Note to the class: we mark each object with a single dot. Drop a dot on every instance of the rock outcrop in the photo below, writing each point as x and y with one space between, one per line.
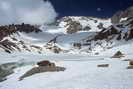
77 45
52 45
74 27
6 69
131 62
121 31
74 24
8 30
8 46
128 13
118 54
44 66
130 65
9 37
105 33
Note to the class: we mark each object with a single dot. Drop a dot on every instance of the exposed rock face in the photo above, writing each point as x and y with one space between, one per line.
121 31
52 45
9 43
77 45
56 49
128 13
87 28
116 17
6 69
73 24
74 27
109 37
105 33
8 46
4 73
8 30
100 26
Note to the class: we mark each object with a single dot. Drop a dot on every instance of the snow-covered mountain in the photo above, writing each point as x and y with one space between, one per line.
113 36
13 39
84 46
97 38
70 35
59 36
72 24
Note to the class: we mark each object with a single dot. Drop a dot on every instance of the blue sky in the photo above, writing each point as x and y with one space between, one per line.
100 8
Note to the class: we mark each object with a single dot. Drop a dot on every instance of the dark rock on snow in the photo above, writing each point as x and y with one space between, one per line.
44 66
118 54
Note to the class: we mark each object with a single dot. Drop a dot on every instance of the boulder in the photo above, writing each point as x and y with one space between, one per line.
131 63
42 69
118 54
103 65
96 53
44 63
130 67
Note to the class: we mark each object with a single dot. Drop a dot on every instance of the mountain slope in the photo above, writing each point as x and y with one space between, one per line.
67 30
113 36
80 44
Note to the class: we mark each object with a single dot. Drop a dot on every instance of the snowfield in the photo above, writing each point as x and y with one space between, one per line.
79 75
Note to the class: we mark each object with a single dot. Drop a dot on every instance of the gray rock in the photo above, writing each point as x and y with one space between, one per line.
130 67
103 65
74 27
128 13
41 69
8 66
116 17
6 69
118 54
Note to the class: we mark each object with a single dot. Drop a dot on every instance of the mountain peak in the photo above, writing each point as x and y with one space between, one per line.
122 14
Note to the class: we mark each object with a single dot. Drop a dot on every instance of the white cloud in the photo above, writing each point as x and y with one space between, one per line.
5 5
27 11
